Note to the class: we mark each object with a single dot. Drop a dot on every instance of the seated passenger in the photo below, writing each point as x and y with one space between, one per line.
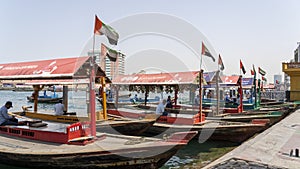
169 103
59 108
6 119
160 109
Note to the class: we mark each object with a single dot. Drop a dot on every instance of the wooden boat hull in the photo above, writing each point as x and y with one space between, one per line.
91 161
248 118
233 132
106 151
219 130
131 127
45 100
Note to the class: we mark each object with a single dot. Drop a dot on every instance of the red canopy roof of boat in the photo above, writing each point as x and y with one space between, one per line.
61 68
230 79
158 78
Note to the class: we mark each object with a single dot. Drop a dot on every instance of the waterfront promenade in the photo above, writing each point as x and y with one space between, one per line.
274 148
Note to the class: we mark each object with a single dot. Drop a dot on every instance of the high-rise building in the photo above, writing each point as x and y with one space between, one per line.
112 69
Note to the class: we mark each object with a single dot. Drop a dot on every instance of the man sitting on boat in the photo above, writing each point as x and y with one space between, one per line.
169 102
227 98
59 108
6 119
160 109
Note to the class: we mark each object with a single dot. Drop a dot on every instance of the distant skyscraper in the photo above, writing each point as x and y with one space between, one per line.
112 69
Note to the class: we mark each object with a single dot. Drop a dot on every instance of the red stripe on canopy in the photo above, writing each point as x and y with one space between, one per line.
54 68
158 78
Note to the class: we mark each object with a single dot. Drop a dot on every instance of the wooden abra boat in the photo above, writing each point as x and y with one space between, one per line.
71 146
218 130
42 99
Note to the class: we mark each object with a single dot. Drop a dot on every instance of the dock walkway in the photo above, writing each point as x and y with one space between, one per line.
276 147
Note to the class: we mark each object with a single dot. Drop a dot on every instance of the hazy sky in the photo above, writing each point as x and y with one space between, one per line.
260 32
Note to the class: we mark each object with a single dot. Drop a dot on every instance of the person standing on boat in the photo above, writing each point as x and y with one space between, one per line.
6 119
160 109
59 108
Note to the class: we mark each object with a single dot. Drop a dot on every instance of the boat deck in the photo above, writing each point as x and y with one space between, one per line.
51 126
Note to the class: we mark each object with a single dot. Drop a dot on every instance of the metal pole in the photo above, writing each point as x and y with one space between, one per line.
92 92
200 94
218 91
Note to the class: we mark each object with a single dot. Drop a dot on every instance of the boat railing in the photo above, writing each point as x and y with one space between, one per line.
79 129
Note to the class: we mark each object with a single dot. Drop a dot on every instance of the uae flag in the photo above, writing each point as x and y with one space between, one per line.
242 67
220 62
262 72
103 29
206 52
110 53
253 72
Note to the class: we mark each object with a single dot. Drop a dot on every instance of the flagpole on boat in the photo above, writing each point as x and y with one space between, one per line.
200 85
200 93
254 87
218 89
92 92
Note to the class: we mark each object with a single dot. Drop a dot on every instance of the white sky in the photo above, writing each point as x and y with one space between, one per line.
260 32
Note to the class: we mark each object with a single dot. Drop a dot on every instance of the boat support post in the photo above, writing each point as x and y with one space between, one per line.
104 97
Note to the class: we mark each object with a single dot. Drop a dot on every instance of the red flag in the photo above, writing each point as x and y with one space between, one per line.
206 52
242 67
220 62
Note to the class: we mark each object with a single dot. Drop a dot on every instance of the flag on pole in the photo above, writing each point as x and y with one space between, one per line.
220 62
103 29
242 67
262 72
253 72
111 53
206 52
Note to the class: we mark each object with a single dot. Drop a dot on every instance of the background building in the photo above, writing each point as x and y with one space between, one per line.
292 69
112 69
